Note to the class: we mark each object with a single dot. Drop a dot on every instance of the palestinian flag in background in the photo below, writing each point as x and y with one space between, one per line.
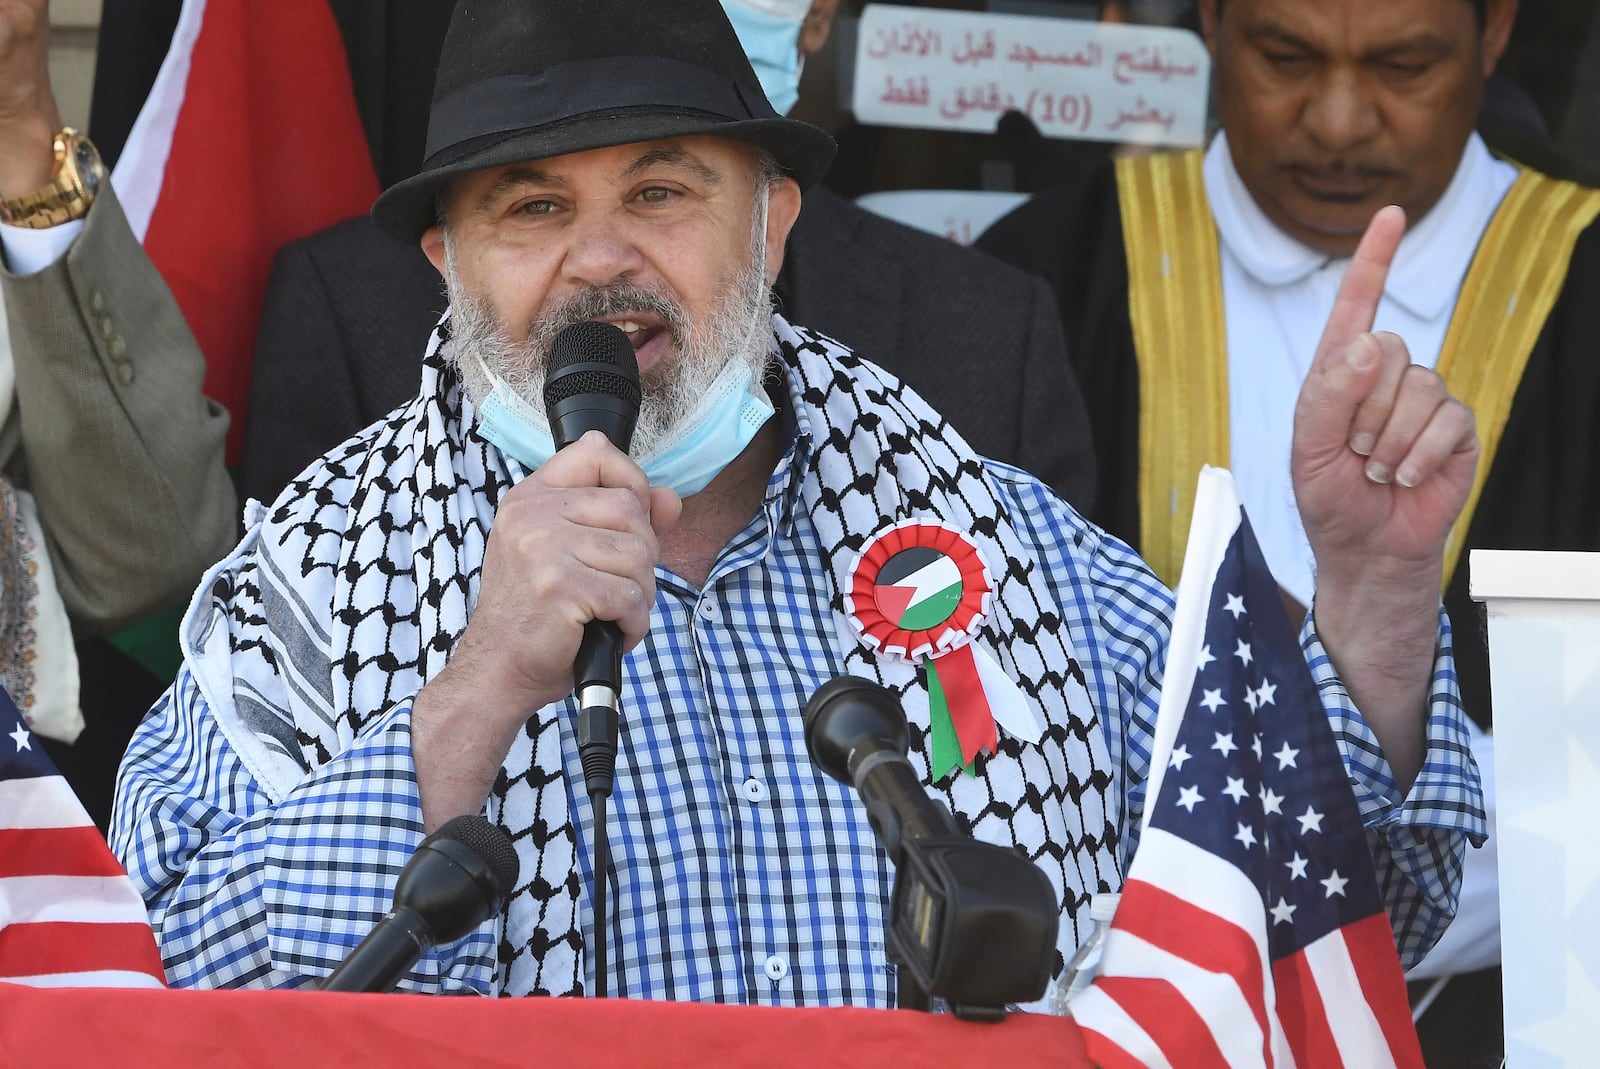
249 139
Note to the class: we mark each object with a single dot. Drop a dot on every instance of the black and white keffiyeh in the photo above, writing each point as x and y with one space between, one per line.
365 573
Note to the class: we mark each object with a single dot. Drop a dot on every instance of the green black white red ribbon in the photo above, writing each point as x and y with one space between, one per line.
921 591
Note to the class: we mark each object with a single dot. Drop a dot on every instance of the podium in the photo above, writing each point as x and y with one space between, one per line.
1544 666
99 1026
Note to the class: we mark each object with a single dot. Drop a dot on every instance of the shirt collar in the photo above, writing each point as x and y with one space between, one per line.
1423 279
795 432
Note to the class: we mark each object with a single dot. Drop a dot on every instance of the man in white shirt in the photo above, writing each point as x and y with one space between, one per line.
1192 285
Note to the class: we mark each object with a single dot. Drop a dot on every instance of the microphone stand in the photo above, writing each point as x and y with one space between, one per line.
597 801
970 922
597 670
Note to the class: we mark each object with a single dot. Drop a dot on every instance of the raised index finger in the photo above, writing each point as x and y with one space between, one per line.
1357 303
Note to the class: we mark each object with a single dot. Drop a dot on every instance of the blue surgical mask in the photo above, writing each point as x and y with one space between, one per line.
769 30
732 410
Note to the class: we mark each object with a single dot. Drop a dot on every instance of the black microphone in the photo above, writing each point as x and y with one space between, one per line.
592 383
972 922
458 878
856 732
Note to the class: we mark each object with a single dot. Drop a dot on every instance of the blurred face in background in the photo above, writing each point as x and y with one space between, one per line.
1334 108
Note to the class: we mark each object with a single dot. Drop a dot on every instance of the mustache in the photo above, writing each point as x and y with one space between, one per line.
617 300
1342 166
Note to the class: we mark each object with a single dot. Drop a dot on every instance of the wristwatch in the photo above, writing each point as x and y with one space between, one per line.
69 192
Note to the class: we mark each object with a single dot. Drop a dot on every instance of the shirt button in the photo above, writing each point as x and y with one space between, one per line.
708 608
108 329
755 790
97 301
125 373
777 967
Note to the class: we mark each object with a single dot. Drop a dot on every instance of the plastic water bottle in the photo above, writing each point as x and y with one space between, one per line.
1085 964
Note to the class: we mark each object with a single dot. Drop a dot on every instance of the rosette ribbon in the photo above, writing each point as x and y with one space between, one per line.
920 592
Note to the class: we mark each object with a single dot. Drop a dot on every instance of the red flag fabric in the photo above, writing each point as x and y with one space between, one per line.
1250 931
249 139
69 917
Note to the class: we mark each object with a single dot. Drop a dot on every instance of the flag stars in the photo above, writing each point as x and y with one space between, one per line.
20 737
1224 744
1235 789
1271 802
1250 699
1335 884
1267 693
1310 821
1205 656
1296 866
1180 754
1283 912
1246 835
1286 757
1212 700
1189 797
1235 606
1241 650
1255 747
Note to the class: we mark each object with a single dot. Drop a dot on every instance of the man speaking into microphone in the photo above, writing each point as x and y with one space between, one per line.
393 642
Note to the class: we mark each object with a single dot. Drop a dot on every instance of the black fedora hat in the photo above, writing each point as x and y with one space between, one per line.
531 79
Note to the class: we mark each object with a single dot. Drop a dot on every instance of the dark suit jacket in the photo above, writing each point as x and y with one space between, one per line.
348 312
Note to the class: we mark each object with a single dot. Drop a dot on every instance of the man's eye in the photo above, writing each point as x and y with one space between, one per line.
1404 70
1284 60
535 207
655 195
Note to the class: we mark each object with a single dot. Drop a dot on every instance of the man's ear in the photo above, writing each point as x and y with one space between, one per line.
1208 25
433 247
1497 19
783 208
814 30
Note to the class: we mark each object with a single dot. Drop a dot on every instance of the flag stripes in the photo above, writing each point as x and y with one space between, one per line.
1250 931
1169 1018
68 914
1113 1033
55 852
35 949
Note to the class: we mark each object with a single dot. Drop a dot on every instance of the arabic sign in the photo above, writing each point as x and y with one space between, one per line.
958 214
956 70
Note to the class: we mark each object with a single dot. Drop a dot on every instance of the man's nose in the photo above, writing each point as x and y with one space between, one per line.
600 249
1341 112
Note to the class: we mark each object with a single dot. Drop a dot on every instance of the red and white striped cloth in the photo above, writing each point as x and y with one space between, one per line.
69 917
249 139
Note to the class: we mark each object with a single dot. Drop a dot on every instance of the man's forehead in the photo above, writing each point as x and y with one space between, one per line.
710 159
1349 19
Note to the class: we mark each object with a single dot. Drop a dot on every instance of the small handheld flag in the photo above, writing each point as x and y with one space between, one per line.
1250 930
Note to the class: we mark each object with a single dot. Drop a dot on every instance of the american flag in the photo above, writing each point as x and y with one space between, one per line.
69 917
1250 931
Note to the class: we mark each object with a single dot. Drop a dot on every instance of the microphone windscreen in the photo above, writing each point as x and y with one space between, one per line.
488 842
590 358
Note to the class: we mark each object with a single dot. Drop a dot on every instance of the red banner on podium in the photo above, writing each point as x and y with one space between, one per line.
100 1026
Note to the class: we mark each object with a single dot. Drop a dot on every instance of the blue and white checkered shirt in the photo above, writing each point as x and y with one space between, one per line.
740 873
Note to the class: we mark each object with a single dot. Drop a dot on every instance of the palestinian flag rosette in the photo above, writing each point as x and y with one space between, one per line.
920 591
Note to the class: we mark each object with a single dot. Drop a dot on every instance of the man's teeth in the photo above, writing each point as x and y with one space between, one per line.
629 326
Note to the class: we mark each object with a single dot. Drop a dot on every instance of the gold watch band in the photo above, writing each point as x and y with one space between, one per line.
70 191
45 207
